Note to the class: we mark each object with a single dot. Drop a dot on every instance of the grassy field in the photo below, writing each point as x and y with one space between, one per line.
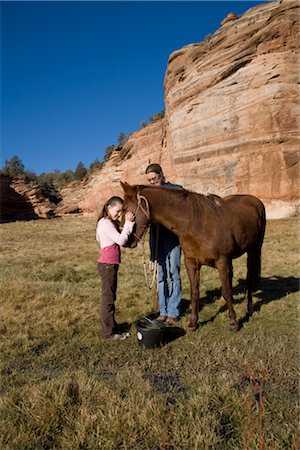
62 387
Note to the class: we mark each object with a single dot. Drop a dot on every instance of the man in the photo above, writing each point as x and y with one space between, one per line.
166 244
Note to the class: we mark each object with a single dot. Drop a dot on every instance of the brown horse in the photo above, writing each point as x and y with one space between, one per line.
212 231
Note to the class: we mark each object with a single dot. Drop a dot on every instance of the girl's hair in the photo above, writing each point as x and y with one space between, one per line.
110 202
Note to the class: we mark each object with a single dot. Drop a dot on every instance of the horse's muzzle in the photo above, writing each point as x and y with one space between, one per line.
131 243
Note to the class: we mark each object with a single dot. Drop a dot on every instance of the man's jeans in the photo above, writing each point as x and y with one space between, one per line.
169 283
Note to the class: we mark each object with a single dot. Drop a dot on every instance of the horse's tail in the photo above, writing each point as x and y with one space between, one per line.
254 268
254 256
257 274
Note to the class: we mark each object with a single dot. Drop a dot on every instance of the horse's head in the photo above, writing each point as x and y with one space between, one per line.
137 203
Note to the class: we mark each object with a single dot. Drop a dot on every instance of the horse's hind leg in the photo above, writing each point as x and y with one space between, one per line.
224 267
193 270
253 275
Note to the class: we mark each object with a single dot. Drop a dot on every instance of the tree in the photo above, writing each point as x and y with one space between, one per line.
65 177
30 176
80 171
95 165
157 116
13 167
143 123
108 151
122 138
46 182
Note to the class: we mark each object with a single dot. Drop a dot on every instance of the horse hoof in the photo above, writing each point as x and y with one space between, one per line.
234 327
192 327
250 311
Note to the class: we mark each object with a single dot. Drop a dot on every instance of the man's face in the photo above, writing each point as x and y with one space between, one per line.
155 179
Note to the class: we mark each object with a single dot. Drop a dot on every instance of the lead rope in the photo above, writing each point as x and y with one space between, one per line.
153 266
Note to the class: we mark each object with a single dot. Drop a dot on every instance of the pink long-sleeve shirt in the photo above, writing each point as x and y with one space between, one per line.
110 240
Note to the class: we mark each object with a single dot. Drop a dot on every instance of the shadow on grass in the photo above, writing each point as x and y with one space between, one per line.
173 333
271 289
169 384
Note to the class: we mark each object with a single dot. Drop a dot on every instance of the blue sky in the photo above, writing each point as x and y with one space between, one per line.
76 74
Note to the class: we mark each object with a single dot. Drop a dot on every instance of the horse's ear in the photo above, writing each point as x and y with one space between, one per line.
127 188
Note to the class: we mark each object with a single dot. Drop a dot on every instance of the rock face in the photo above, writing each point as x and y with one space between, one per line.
232 118
126 163
233 107
13 205
22 202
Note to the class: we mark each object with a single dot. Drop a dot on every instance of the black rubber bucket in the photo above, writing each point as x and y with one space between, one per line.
150 333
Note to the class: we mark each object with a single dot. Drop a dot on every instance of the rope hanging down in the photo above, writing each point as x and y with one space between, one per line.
152 265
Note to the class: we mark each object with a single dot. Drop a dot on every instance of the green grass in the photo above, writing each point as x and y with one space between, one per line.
62 387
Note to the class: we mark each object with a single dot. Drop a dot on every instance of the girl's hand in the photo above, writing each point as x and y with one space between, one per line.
130 216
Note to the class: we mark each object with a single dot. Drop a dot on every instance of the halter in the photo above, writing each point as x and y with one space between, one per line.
140 206
146 210
153 267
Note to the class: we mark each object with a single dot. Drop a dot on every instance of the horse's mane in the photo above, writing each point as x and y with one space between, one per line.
210 204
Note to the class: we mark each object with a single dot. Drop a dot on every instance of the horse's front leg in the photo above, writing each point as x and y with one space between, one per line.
224 267
193 270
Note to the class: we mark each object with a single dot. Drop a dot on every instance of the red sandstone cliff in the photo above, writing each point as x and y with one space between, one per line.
232 118
126 163
233 108
20 201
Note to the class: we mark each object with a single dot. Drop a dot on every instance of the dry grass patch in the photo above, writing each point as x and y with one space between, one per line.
64 388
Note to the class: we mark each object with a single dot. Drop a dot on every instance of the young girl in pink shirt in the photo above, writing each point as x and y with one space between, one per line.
110 239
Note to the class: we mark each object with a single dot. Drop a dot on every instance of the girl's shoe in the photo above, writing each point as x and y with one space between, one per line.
119 336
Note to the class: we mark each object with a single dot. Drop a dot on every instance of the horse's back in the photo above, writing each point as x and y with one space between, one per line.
246 204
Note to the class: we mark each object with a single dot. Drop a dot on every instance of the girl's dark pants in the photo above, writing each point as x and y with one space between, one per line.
109 278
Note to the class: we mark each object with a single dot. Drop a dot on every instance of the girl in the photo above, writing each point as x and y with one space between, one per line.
110 238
